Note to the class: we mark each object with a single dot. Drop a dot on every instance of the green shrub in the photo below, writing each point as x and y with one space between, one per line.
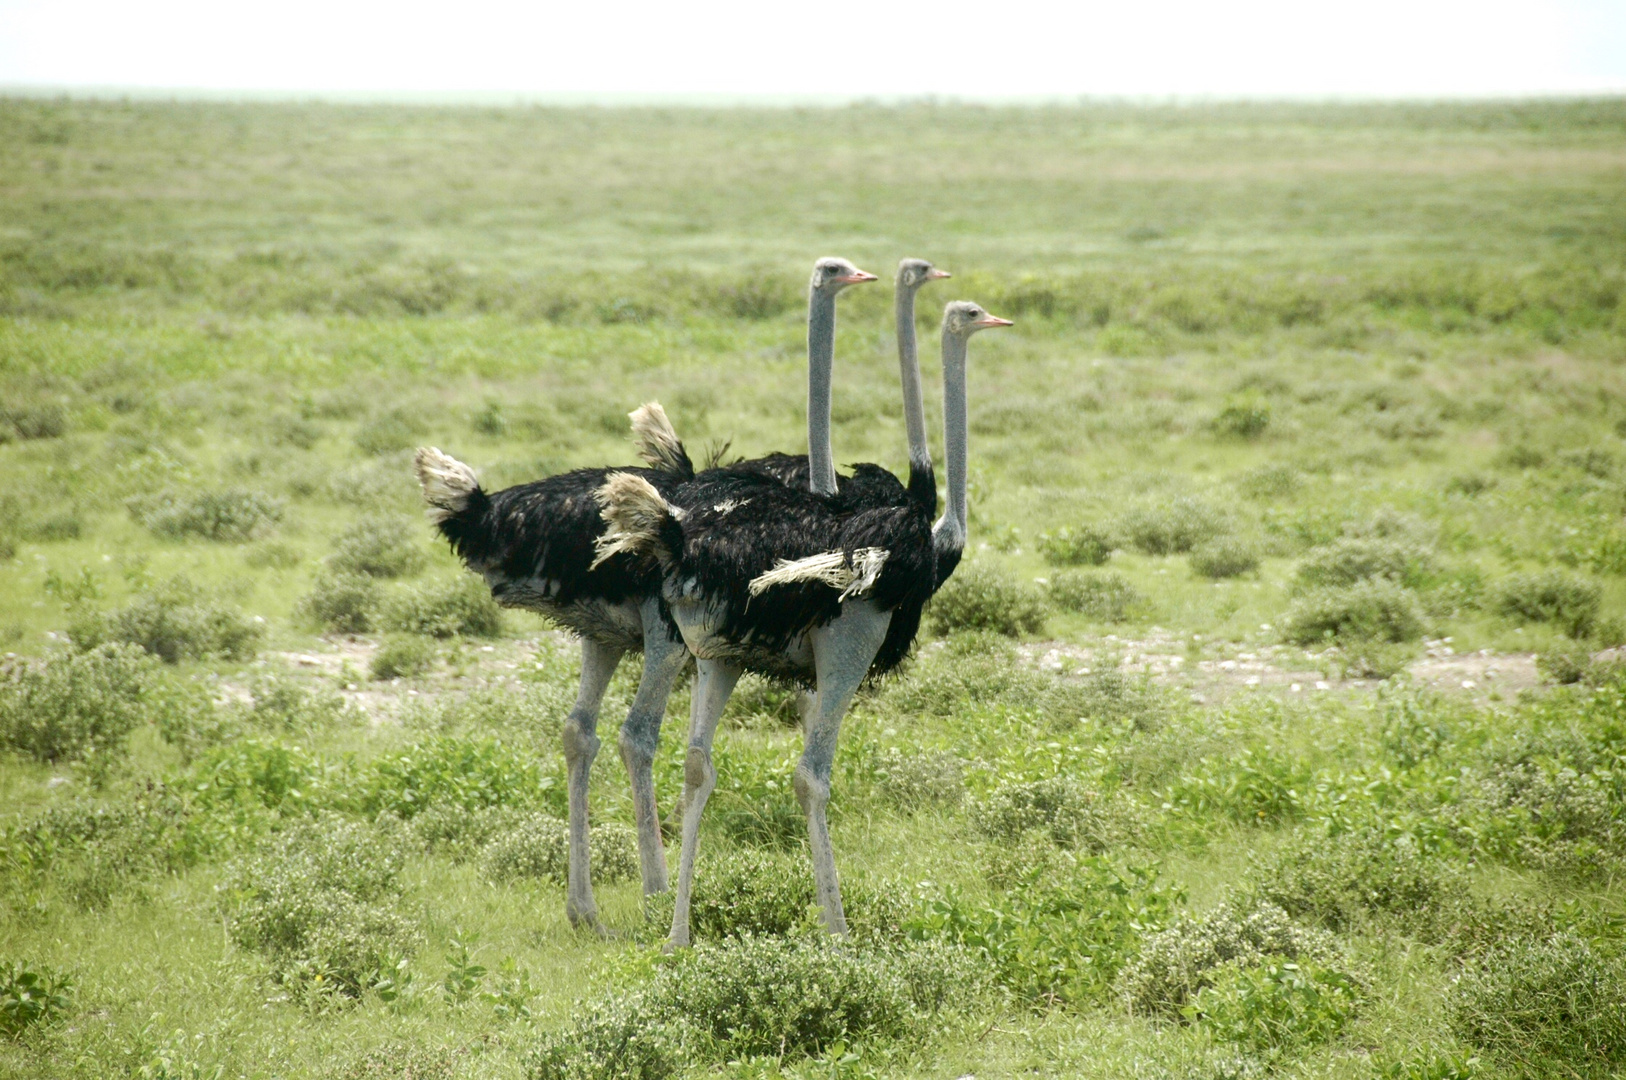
250 775
1170 528
1081 546
1245 419
389 432
1061 939
1544 1007
32 421
402 656
1569 663
1343 880
1566 600
401 1061
281 703
756 699
1276 1005
445 828
174 622
188 718
1252 788
1110 698
90 851
914 782
1433 1067
470 773
1175 964
73 706
1374 610
322 901
1224 557
462 605
981 596
384 547
342 603
753 803
538 846
233 516
1349 560
625 1038
1271 482
30 995
1108 598
1543 812
969 669
1069 813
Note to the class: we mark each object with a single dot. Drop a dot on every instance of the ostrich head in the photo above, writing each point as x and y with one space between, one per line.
962 318
832 275
913 273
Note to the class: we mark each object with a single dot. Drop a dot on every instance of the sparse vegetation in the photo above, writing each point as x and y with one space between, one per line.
1406 406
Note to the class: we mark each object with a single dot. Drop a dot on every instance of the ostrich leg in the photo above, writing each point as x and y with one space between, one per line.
842 652
581 745
714 681
640 735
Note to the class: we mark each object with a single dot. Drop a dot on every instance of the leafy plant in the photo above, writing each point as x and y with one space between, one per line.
380 547
1084 545
1567 600
343 603
1376 609
31 995
467 773
915 781
1275 1005
174 622
1068 812
402 656
463 975
538 846
232 516
1224 557
1106 597
462 605
1170 528
980 596
73 706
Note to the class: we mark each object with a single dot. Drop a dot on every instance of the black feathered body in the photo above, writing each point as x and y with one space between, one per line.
533 543
740 521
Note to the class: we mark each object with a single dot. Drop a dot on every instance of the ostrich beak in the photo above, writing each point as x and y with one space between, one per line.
935 274
857 277
992 321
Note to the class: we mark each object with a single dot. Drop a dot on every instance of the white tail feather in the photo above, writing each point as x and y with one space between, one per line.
828 567
634 512
657 441
447 483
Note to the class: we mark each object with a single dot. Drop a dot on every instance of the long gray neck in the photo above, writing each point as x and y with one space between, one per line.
950 531
821 360
914 409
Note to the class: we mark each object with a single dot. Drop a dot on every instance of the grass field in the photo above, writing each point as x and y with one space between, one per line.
1274 726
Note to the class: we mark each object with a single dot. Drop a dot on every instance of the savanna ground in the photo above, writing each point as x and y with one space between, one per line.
1272 728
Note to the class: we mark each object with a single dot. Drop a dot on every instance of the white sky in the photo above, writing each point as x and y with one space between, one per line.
822 48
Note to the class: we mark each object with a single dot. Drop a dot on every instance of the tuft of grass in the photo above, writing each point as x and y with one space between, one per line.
1544 1007
981 596
914 782
1224 557
1069 813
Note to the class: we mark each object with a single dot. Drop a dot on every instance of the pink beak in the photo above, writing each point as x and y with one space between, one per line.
857 278
993 320
935 274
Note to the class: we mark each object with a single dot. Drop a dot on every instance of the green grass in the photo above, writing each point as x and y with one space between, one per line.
1376 346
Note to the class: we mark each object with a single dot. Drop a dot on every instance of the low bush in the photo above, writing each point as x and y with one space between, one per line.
322 901
91 851
389 433
1568 601
188 717
981 596
1544 1007
175 621
1271 482
1170 528
281 703
1081 546
914 782
402 656
1569 663
468 773
248 776
1276 1005
758 700
383 547
1175 964
1069 813
232 516
32 421
1251 787
1243 419
1353 559
446 828
1224 557
1060 939
782 999
400 1061
1109 698
1346 879
538 846
462 605
73 706
343 603
1373 610
1108 598
754 803
974 669
1541 811
31 995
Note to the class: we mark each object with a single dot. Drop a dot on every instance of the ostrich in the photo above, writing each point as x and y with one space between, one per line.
533 543
837 581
